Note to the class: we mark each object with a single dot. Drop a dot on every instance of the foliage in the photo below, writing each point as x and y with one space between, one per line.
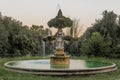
115 52
73 48
49 47
74 44
109 29
19 40
95 46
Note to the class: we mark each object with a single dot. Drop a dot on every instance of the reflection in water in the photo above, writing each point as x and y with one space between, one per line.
45 64
93 64
78 64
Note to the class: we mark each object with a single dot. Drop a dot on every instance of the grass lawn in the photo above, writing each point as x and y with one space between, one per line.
7 75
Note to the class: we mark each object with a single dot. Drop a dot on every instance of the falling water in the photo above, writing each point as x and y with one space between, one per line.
43 48
49 33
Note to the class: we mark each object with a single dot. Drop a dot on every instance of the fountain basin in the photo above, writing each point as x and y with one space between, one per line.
76 67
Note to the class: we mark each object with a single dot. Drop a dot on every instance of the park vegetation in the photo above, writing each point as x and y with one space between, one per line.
102 39
18 40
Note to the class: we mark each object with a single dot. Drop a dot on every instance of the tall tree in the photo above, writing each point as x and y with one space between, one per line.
73 47
19 40
95 46
108 27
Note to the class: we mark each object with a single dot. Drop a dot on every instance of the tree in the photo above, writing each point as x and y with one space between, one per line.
115 52
109 29
19 40
4 45
73 47
95 46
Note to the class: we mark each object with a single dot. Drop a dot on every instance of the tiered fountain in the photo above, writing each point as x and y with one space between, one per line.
60 58
59 63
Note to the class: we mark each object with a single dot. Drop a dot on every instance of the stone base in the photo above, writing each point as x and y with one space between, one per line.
59 52
60 61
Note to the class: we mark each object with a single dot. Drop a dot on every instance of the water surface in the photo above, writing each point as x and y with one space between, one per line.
45 64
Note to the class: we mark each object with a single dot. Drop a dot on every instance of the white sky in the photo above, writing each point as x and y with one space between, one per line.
39 12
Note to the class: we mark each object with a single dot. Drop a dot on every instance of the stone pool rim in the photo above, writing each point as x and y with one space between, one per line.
63 72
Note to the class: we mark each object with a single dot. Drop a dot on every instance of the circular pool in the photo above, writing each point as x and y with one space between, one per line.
76 67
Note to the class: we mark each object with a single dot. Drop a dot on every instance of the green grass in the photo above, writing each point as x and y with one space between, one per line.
7 75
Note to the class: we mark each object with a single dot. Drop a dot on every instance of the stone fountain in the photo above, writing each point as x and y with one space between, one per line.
60 58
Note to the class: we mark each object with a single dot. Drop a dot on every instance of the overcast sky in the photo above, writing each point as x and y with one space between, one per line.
39 12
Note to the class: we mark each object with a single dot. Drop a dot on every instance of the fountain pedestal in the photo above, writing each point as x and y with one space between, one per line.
60 59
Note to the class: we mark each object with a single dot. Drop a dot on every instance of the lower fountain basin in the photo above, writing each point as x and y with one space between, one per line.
76 67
